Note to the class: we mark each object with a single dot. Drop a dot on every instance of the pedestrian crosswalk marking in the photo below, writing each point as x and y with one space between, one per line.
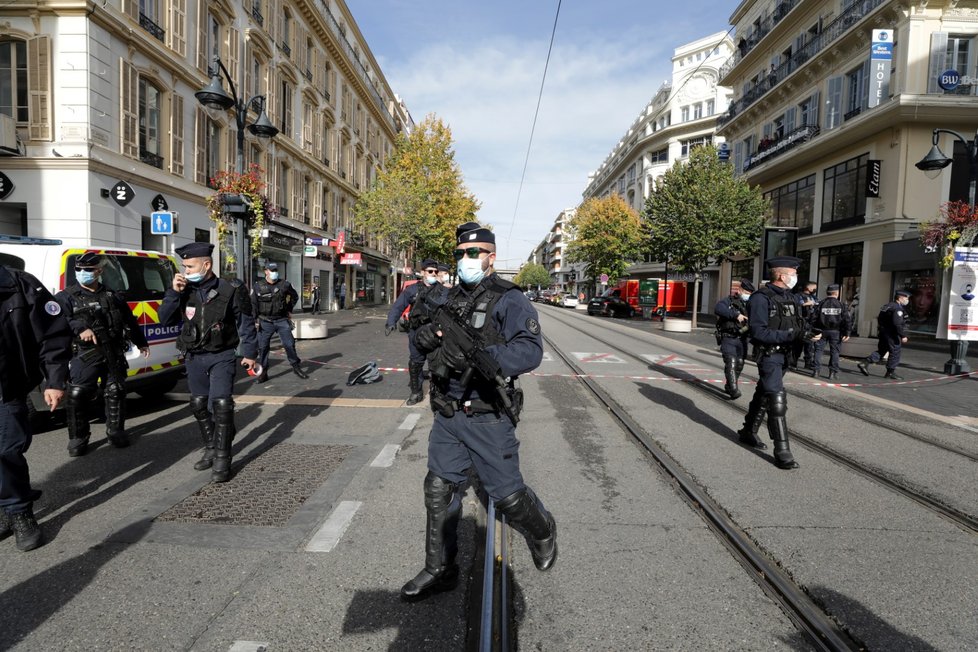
597 357
386 456
332 530
248 646
409 421
547 357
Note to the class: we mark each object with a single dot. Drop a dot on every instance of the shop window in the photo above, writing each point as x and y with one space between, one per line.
844 194
793 204
925 302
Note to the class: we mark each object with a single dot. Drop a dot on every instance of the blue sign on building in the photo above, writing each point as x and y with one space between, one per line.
949 80
161 223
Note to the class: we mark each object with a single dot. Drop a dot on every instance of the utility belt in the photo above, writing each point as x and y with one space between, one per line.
448 407
771 349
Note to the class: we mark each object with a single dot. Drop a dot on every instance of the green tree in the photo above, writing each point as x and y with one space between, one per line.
605 234
700 214
533 275
418 198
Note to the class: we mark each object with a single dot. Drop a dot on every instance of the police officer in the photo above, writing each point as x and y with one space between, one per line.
413 298
809 304
832 318
272 301
444 276
315 297
469 429
103 324
892 336
215 318
732 331
35 344
775 324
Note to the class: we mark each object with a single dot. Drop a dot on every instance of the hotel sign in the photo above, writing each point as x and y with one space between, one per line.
880 57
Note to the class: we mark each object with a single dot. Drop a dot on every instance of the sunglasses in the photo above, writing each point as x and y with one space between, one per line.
431 271
471 252
86 269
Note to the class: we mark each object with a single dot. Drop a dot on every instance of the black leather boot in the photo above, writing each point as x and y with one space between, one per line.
730 373
223 436
777 426
528 516
443 503
206 424
752 423
6 524
415 370
297 370
26 530
79 430
115 414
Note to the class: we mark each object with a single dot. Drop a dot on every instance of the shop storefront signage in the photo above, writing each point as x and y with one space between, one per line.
159 203
371 267
341 242
874 170
6 186
122 193
880 56
962 309
351 259
310 252
282 241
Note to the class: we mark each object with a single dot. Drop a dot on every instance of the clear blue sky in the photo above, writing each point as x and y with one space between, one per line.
478 65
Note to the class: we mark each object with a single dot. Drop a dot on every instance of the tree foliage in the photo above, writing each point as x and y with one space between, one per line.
605 234
419 198
958 227
701 214
533 275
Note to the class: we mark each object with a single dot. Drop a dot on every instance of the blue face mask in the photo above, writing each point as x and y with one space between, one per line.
470 271
273 276
195 278
85 277
745 297
430 280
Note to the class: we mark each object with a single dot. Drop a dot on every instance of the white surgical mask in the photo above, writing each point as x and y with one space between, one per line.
745 296
85 277
196 277
792 281
443 278
470 271
430 280
273 276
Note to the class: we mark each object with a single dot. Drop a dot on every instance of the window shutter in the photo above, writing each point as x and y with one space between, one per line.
271 172
176 34
789 120
738 157
233 58
271 94
864 86
833 113
202 62
273 17
816 107
176 134
129 98
307 127
200 148
938 60
131 8
39 87
316 212
298 197
249 84
231 150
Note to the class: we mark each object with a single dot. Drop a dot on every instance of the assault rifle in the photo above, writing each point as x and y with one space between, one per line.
114 357
456 332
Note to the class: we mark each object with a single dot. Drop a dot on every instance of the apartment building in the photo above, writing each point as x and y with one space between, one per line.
680 116
832 133
104 94
551 253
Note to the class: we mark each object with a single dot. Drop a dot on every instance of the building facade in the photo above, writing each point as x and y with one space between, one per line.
681 116
832 136
102 94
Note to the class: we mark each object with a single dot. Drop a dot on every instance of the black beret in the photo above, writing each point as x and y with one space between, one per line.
442 267
468 226
195 250
783 261
429 262
832 288
746 285
89 259
272 267
477 235
902 293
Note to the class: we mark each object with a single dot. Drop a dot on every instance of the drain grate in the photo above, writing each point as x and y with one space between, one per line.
267 491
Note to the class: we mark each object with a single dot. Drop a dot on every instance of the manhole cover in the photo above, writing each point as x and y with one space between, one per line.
267 491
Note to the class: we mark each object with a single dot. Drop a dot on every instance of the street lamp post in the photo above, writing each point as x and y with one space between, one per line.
213 96
934 162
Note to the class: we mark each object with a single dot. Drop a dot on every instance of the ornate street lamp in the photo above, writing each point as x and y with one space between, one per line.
213 96
934 162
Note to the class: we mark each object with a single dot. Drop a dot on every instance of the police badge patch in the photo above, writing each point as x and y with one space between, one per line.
52 308
899 313
190 311
533 326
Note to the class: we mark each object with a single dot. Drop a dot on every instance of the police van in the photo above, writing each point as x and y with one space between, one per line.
139 277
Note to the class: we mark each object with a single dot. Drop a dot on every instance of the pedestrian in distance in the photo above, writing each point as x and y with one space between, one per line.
35 345
469 428
314 299
103 326
776 323
832 320
342 295
892 335
214 318
272 301
732 332
409 309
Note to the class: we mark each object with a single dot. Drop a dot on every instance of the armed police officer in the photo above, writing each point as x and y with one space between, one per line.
272 301
732 332
809 304
833 320
474 422
776 324
412 301
103 325
35 345
892 335
215 319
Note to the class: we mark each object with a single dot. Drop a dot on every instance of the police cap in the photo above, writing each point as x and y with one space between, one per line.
746 285
832 288
442 267
88 259
429 262
776 262
477 235
272 267
902 293
195 250
468 226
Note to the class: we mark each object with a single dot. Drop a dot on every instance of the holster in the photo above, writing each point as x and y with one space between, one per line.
441 403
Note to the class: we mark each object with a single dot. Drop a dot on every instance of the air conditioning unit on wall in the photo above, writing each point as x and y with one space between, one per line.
8 135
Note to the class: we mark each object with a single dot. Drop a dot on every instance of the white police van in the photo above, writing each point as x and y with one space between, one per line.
139 277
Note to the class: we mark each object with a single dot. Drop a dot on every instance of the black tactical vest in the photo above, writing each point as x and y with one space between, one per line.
209 325
97 310
828 315
418 313
732 326
785 313
272 299
477 308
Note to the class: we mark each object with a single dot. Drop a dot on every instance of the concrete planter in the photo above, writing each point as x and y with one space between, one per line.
674 325
311 328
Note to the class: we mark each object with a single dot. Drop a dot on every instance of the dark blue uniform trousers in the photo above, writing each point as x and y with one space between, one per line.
16 494
833 340
734 347
486 441
887 344
211 374
772 369
268 329
414 354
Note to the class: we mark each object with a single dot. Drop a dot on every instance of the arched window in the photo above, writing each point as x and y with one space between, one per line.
13 80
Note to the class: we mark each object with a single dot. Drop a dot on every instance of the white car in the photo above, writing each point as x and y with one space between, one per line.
568 301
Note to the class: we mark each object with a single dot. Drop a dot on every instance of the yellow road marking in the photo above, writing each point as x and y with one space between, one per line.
317 400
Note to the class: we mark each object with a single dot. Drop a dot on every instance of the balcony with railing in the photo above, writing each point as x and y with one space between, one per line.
150 158
770 148
832 32
256 15
759 31
150 26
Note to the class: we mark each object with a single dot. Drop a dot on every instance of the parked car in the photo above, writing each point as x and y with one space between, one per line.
531 295
568 301
545 296
610 304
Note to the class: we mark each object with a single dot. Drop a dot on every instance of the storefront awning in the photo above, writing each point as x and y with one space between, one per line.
906 255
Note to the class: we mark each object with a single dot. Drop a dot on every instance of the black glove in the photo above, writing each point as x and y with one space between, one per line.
426 339
452 357
388 329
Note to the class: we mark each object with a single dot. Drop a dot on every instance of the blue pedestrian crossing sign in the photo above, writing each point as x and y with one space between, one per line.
161 223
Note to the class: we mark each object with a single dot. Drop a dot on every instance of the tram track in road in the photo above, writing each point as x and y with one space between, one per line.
960 518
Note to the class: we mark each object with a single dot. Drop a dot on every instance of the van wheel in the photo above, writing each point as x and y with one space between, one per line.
157 388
